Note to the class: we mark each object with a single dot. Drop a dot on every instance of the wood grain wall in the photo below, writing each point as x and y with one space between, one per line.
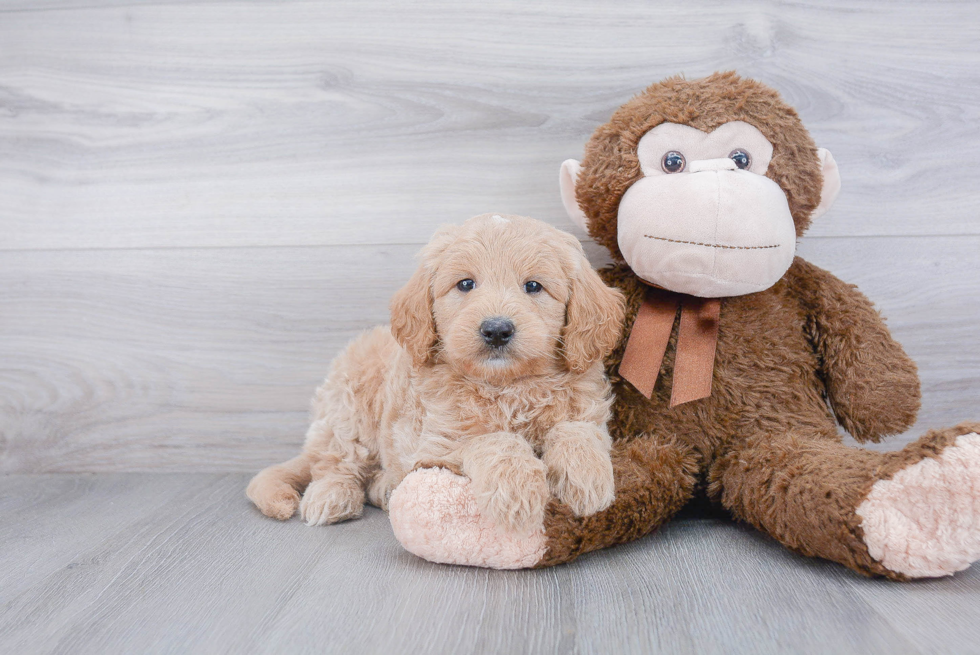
201 202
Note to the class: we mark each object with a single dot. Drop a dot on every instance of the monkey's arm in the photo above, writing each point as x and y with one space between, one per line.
872 385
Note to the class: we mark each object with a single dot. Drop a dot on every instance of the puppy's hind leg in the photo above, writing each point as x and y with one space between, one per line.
275 490
336 492
340 468
343 439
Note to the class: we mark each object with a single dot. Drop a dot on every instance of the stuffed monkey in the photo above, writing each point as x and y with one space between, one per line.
738 360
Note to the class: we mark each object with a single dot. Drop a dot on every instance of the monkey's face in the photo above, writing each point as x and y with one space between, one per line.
702 186
704 219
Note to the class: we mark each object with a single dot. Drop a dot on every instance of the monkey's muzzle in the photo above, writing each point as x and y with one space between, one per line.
712 232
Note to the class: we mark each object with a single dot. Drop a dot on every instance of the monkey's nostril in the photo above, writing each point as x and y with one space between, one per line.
497 331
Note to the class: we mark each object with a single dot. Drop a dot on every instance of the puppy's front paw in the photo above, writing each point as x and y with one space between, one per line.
272 496
580 475
514 494
328 500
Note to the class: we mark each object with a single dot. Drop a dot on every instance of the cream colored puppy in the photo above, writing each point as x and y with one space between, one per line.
492 367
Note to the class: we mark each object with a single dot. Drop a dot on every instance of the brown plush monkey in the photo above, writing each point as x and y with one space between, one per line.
699 189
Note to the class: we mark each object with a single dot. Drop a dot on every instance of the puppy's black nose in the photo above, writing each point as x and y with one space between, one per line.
497 331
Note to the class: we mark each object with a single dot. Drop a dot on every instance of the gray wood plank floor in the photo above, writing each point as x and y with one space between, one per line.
136 563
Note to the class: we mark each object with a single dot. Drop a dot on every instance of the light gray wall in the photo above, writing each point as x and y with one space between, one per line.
200 203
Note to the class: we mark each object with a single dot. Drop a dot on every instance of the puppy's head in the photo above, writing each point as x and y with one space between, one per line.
501 297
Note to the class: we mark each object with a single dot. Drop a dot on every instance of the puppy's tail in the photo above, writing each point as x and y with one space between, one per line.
276 490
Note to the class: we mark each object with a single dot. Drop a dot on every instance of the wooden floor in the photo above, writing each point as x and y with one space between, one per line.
137 563
201 201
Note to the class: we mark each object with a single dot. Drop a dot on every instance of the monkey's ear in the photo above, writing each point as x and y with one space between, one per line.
412 324
567 179
593 318
831 182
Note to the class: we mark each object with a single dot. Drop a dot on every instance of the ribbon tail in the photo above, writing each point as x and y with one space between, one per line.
697 338
648 340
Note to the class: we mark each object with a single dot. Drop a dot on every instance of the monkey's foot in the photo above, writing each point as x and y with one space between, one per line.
924 522
434 515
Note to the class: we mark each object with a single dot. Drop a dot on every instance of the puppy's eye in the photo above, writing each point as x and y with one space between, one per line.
741 158
532 287
673 162
466 285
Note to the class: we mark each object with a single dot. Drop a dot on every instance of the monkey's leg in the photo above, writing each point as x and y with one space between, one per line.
912 513
435 516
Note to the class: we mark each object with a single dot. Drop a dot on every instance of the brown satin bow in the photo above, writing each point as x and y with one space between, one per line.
697 337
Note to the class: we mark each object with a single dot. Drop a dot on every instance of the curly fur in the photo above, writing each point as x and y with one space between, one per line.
523 422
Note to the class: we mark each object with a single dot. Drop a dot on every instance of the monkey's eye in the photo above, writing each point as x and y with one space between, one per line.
532 287
466 285
741 158
673 162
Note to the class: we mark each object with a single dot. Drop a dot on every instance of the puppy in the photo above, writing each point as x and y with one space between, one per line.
492 367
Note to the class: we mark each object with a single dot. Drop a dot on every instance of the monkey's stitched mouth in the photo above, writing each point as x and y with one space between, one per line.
710 245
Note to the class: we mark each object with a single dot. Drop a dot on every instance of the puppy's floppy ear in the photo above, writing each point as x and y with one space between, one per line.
593 318
412 323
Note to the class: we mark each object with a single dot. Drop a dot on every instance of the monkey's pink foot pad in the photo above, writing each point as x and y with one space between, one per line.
925 521
435 516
